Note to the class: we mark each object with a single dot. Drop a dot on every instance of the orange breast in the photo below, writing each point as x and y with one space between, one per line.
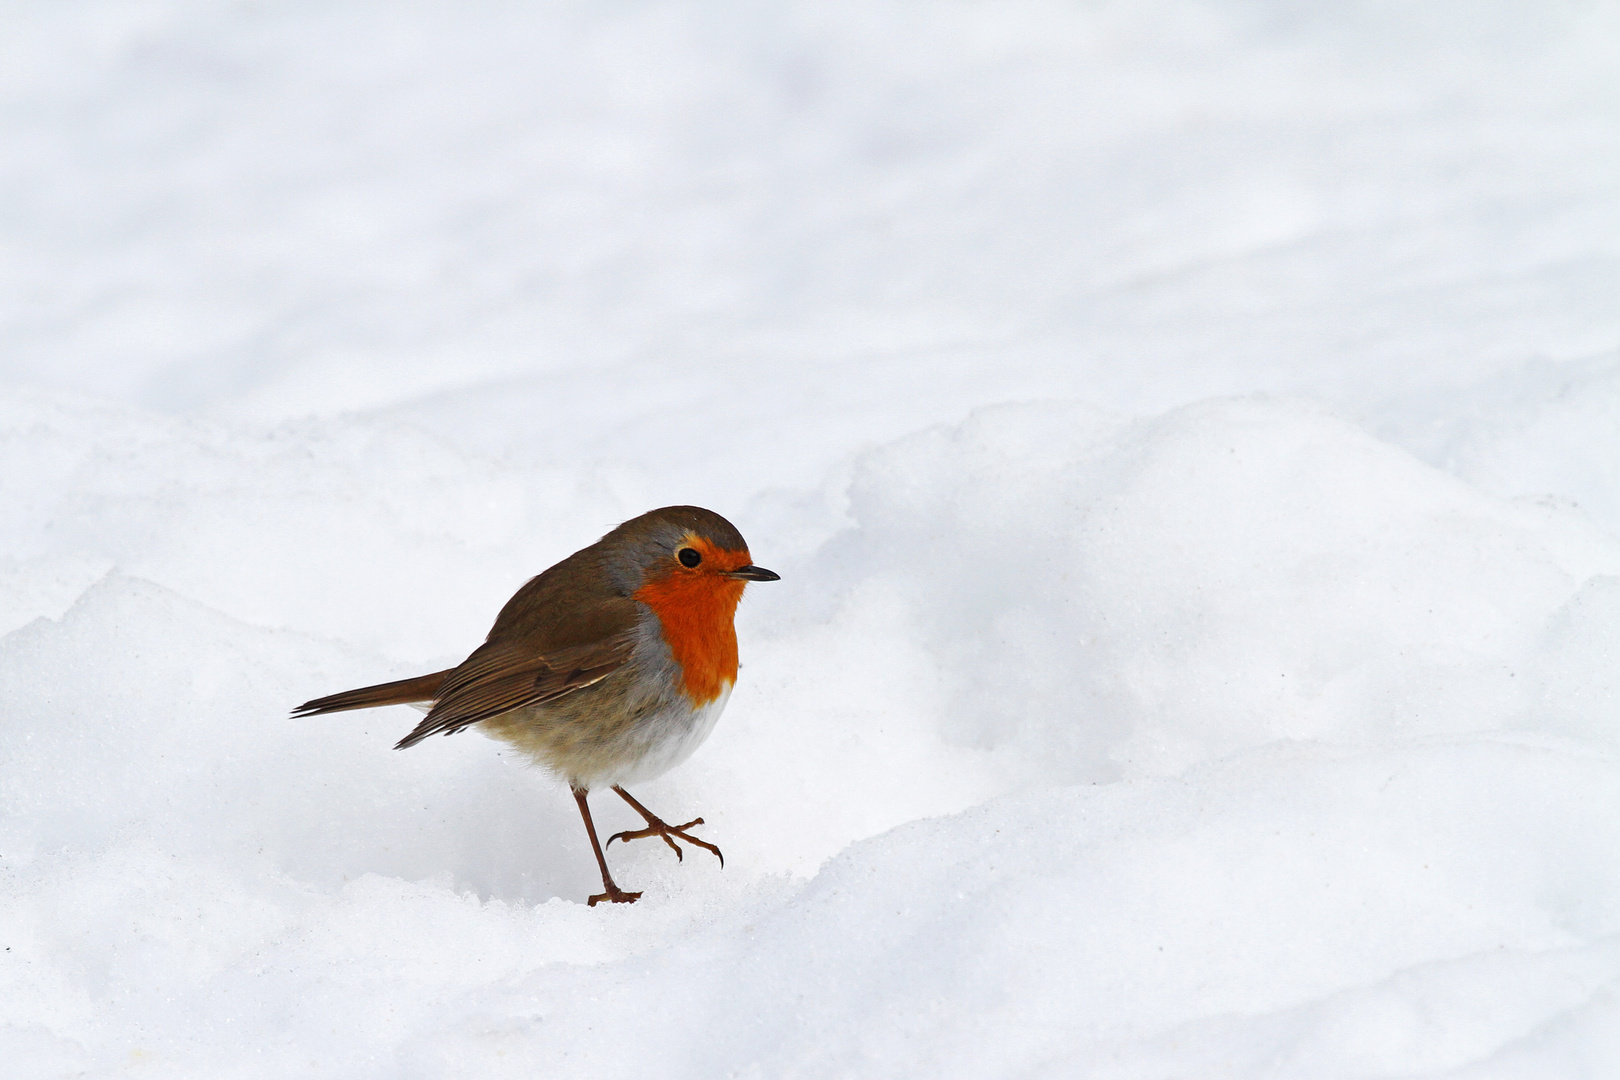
696 610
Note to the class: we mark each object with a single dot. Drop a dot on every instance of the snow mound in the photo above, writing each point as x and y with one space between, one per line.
1289 913
1127 599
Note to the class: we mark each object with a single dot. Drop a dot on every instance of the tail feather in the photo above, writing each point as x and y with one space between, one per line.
403 692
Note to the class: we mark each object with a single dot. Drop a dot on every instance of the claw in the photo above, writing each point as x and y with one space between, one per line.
628 836
665 832
617 896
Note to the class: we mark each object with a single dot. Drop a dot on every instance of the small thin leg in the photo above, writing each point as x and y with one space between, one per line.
657 828
614 893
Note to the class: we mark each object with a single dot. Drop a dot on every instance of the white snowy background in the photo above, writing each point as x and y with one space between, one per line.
1189 434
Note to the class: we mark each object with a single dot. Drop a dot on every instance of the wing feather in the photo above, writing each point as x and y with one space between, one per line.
500 677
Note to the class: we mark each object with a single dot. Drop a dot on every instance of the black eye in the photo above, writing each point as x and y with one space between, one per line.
689 557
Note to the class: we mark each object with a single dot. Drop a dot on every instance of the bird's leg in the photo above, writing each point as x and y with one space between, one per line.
614 893
659 829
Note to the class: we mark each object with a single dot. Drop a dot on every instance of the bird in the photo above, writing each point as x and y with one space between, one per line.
608 669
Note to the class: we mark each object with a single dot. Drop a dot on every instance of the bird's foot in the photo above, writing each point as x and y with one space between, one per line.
664 832
614 895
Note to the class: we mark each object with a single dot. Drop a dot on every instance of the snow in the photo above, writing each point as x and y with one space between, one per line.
1186 432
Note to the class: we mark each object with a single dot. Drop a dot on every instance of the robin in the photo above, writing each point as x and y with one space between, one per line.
608 669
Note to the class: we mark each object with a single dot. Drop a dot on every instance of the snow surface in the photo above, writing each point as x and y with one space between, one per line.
1189 433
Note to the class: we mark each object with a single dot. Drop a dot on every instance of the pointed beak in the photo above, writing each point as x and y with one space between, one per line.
754 573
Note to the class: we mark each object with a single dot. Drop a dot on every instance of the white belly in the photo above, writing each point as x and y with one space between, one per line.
665 741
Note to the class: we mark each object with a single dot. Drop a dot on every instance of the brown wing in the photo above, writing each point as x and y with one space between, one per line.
511 671
563 630
503 679
403 692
